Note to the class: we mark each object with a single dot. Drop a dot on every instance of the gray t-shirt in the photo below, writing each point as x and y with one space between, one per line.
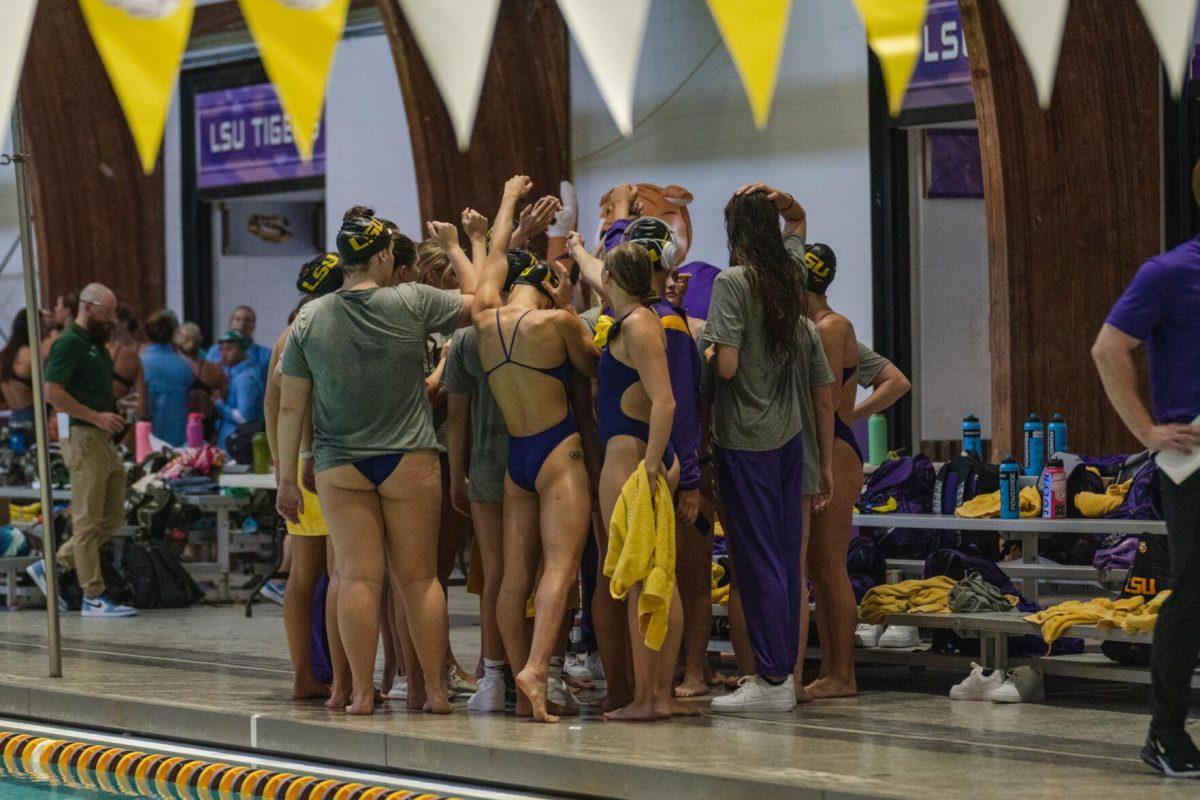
364 351
870 364
591 317
762 407
489 438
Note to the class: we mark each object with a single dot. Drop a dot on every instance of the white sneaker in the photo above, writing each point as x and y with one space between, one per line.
37 573
399 689
489 699
594 665
103 607
576 668
458 687
867 635
977 686
558 693
273 590
900 637
755 694
1021 685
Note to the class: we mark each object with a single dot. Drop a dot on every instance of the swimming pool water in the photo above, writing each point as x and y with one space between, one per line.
23 787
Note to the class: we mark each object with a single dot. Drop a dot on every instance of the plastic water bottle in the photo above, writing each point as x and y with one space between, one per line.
1035 446
195 430
972 436
877 439
1010 488
141 448
1056 435
1054 490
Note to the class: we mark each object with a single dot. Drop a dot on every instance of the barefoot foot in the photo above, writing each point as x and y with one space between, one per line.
829 688
362 703
310 689
691 687
533 686
670 707
633 713
437 703
338 698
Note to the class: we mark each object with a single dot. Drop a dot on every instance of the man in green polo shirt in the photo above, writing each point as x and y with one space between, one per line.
79 379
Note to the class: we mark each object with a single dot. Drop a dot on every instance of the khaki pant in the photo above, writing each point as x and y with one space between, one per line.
97 503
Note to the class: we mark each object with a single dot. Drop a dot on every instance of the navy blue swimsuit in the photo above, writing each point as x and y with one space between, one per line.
526 454
614 378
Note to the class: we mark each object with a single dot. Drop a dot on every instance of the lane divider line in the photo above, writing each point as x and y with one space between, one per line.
139 774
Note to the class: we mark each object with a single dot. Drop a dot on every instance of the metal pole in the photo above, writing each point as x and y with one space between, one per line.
33 319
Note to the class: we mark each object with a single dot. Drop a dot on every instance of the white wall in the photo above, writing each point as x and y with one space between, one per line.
368 152
950 285
703 137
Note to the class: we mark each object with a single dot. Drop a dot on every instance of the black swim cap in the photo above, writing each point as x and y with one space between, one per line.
321 275
362 237
657 237
820 267
524 268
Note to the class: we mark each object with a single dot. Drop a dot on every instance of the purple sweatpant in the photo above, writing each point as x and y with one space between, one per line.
761 494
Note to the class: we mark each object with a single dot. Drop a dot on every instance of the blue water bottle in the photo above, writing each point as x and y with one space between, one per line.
972 436
1056 435
1010 489
1035 446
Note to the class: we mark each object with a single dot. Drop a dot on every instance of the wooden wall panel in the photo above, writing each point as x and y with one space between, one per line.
97 217
1073 207
523 120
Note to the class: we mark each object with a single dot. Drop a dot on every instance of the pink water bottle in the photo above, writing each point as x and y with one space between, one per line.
195 430
141 448
1054 490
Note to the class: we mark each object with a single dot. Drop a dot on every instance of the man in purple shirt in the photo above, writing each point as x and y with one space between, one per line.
1161 308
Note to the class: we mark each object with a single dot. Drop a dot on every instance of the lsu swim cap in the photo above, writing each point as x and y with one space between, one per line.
236 338
820 267
657 237
524 268
362 237
321 275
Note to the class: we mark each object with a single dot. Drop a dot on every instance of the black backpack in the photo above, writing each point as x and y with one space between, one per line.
960 479
240 443
116 586
157 577
1149 575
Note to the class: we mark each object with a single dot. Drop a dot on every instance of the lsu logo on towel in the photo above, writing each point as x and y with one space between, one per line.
368 236
327 264
816 265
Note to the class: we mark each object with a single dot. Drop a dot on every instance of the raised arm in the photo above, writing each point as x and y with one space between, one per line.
495 267
534 220
795 219
446 235
591 269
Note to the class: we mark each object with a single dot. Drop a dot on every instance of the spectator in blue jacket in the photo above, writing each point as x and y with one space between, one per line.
243 401
243 320
168 379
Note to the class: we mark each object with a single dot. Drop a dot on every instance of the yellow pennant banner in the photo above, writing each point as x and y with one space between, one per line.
754 32
894 33
141 45
296 40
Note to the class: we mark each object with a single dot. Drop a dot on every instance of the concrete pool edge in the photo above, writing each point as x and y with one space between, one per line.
485 763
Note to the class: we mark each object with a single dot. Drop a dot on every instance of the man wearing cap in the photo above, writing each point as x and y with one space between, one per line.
243 320
243 401
79 379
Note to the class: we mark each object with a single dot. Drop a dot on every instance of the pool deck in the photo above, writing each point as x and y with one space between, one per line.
210 676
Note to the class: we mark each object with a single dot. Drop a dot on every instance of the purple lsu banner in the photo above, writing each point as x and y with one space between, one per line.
243 136
943 73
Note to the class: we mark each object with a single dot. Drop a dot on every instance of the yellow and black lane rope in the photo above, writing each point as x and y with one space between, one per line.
132 772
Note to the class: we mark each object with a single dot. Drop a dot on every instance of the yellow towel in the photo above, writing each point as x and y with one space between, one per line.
719 592
930 596
1130 614
987 506
641 549
1094 504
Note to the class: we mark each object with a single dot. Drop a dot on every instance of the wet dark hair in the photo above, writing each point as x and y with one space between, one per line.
127 319
17 338
630 266
776 281
160 328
